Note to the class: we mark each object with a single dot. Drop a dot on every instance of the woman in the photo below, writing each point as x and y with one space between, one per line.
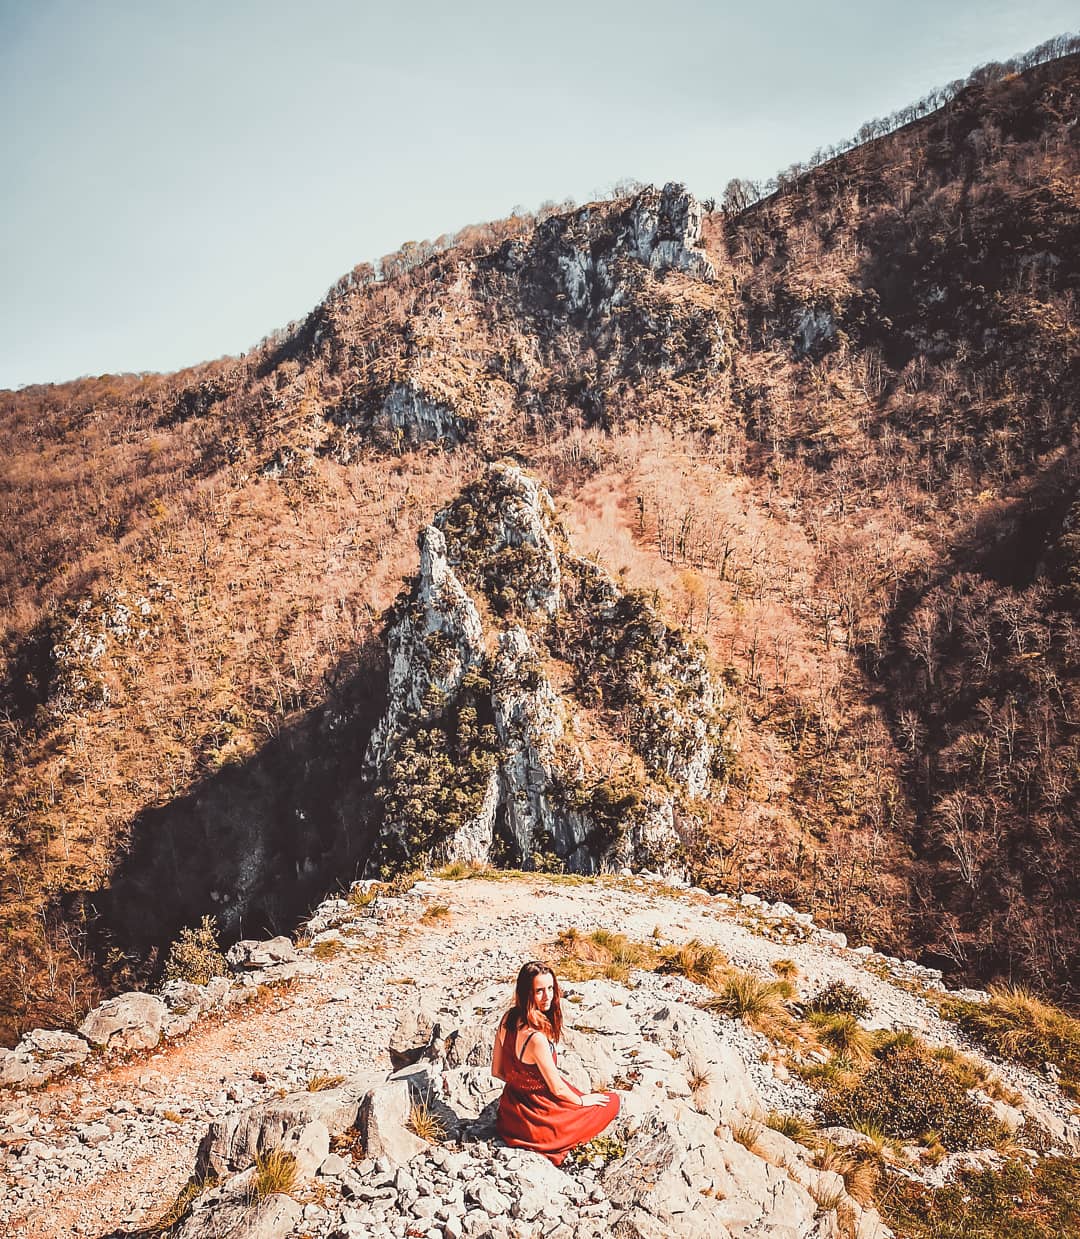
540 1109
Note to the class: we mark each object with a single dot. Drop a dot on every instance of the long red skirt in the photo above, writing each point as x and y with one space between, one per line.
531 1118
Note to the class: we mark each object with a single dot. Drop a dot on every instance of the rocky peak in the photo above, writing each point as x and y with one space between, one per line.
573 260
480 756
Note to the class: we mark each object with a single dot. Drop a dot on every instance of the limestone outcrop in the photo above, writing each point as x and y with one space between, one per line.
480 755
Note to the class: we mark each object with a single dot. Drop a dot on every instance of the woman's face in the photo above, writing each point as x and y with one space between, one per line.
543 991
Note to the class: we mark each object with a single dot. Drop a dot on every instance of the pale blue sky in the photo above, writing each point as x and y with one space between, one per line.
180 178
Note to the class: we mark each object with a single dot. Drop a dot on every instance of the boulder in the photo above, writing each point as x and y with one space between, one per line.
417 1034
382 1120
185 1003
231 1143
41 1055
253 955
726 1089
226 1212
131 1021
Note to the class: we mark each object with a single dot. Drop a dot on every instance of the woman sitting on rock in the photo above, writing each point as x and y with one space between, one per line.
540 1109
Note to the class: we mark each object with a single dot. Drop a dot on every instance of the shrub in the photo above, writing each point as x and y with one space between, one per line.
840 999
195 956
907 1093
1011 1201
609 1147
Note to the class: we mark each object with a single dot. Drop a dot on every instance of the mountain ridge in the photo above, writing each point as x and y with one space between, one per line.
845 427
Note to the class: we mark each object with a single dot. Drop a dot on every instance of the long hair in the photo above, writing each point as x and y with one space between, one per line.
524 1013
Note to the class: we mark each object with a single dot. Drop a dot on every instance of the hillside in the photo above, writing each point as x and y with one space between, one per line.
724 1027
829 438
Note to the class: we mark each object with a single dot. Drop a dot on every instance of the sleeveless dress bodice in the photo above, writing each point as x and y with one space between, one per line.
532 1117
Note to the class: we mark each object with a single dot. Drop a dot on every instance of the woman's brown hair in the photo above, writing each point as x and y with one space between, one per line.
523 1012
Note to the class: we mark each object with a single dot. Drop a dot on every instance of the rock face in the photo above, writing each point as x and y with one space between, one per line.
480 756
417 417
581 252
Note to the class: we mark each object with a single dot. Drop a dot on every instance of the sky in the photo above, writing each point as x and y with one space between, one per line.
178 179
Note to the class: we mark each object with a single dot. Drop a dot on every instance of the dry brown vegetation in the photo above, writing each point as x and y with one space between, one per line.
847 465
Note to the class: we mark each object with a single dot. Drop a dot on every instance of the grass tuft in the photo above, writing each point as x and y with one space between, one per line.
844 1036
795 1126
757 1003
747 1132
695 960
275 1172
425 1123
320 1082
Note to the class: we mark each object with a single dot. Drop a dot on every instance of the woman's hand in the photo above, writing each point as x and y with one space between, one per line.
594 1099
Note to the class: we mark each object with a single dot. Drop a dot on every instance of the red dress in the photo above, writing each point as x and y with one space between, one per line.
531 1118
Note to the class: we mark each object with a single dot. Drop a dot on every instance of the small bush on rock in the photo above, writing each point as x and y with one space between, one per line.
609 1147
195 956
907 1093
840 999
1011 1201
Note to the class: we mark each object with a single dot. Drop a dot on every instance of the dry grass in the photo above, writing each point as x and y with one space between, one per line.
275 1172
759 1004
844 1037
695 960
585 956
699 1082
860 1169
786 969
179 1206
328 948
425 1123
435 914
458 870
747 1132
320 1082
1017 1024
360 897
795 1126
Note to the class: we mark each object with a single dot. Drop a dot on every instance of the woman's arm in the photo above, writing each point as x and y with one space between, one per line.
556 1082
539 1052
497 1068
